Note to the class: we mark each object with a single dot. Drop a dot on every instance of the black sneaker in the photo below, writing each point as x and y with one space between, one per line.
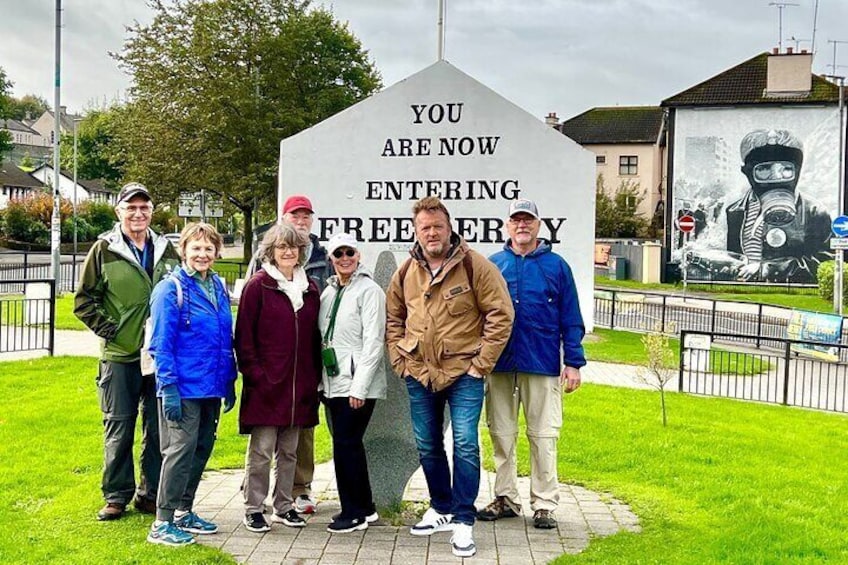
290 519
371 518
256 523
346 525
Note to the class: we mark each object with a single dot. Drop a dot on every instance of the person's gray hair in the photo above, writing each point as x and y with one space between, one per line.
283 234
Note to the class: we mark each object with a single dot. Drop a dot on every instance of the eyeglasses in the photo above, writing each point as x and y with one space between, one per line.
144 210
338 253
286 249
525 221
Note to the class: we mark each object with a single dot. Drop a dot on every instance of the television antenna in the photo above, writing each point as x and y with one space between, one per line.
780 7
797 41
836 43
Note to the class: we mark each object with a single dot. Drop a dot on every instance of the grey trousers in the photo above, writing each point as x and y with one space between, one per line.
267 442
186 447
305 467
123 391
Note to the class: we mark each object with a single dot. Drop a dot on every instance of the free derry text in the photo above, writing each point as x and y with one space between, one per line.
383 228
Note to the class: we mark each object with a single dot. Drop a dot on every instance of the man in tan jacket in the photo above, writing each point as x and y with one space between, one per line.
449 316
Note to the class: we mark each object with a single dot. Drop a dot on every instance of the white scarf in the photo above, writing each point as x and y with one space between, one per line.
294 288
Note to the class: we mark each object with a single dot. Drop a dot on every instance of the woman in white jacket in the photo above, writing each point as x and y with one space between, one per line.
352 321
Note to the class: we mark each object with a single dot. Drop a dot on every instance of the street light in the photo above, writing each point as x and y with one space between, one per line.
837 280
76 121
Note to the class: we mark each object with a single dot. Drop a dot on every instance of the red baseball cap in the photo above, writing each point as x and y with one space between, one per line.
297 202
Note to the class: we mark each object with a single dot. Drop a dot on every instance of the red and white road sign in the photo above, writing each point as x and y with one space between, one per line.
686 223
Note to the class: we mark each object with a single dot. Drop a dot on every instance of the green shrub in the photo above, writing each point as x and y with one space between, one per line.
99 215
20 226
84 230
825 275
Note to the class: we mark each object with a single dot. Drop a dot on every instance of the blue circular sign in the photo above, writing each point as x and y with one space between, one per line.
839 226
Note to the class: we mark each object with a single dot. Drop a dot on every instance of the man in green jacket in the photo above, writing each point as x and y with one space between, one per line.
113 301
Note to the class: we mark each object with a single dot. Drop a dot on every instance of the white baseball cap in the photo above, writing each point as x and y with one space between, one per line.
341 240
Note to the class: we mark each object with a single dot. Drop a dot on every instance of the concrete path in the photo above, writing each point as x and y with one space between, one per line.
582 515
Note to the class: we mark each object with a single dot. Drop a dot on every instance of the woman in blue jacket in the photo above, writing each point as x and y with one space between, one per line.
192 346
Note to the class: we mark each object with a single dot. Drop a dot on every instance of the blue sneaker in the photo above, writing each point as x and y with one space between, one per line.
192 523
166 533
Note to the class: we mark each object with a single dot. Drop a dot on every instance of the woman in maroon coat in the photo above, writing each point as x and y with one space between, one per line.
279 355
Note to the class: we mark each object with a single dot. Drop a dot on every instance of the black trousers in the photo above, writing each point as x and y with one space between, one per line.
349 459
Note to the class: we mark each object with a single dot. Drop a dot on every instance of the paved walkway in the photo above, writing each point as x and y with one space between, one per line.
582 515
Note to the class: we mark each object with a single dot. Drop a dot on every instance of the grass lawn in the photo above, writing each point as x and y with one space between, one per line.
50 462
616 346
725 482
65 319
800 298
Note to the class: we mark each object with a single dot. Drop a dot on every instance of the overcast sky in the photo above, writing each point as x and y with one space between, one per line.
562 56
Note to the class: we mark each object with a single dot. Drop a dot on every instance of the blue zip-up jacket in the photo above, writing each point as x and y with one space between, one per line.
547 312
192 344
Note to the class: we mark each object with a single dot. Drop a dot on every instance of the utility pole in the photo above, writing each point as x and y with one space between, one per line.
836 43
780 7
56 221
840 257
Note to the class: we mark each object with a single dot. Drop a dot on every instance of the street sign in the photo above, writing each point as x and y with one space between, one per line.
686 223
839 226
838 243
190 205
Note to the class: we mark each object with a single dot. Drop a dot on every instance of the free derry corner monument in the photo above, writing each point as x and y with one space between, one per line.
438 133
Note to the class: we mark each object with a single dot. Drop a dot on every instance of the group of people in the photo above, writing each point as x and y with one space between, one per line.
312 327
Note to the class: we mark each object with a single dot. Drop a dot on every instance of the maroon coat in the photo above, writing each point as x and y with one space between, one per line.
279 356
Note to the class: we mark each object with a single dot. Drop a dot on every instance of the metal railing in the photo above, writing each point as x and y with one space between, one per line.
742 322
27 315
35 265
780 377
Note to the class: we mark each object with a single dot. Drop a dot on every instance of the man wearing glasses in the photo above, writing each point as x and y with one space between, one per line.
529 372
112 300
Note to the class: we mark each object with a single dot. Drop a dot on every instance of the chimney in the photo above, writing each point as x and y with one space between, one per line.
789 74
63 110
552 120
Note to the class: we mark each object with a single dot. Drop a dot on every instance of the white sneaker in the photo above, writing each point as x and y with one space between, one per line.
462 541
431 523
305 504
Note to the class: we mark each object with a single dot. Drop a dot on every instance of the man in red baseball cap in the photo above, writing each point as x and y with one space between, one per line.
298 212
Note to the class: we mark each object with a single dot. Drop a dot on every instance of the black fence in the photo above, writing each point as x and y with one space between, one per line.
741 322
786 376
27 312
35 265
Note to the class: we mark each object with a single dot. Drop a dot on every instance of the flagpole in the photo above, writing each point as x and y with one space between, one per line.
441 28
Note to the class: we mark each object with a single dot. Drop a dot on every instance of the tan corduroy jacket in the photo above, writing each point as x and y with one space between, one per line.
438 327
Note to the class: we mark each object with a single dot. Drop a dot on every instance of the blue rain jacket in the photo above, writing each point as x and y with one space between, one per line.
193 343
547 313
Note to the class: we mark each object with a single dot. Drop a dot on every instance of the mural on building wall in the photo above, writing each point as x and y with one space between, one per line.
762 186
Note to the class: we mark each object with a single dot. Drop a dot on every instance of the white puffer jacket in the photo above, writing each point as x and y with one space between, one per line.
358 337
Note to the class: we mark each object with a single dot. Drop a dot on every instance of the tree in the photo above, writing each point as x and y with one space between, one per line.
5 113
99 154
660 369
217 84
616 215
31 104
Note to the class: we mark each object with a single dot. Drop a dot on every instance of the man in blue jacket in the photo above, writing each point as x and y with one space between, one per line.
529 372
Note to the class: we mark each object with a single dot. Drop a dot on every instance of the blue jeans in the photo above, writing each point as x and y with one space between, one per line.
465 402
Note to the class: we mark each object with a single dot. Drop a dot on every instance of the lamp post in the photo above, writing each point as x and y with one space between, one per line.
837 280
76 121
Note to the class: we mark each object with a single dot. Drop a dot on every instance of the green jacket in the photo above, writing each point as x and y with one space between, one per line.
113 297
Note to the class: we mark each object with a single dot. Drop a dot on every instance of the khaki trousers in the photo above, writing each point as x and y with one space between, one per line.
266 442
541 398
305 469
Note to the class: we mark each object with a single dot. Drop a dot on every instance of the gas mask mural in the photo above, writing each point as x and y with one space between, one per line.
772 229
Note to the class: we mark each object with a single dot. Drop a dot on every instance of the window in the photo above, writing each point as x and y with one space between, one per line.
628 165
600 159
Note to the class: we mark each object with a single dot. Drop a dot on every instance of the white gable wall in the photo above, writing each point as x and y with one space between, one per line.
365 167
